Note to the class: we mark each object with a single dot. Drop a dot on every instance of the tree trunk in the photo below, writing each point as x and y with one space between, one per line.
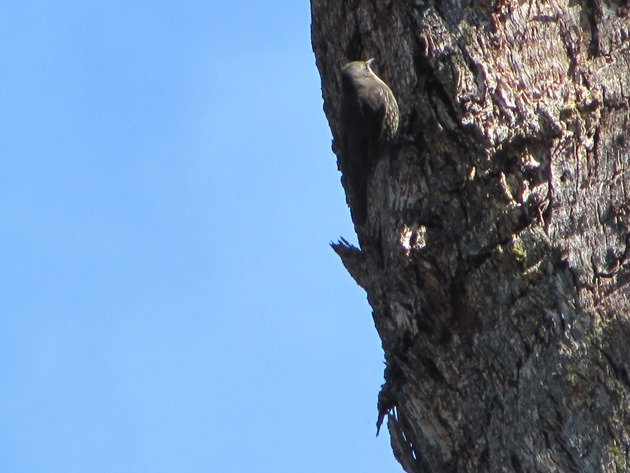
496 255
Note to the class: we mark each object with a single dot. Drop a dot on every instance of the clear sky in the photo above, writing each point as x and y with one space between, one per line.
168 298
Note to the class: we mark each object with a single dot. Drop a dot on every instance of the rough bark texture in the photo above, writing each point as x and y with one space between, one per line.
496 256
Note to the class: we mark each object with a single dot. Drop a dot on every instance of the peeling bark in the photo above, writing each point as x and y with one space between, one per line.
496 256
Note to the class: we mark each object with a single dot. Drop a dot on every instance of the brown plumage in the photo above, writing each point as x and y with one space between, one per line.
369 120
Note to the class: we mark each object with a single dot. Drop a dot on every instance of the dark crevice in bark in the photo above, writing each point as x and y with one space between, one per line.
621 372
594 18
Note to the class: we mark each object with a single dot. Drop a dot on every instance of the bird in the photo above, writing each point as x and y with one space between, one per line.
369 122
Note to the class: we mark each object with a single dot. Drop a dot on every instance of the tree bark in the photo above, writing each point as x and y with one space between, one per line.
496 256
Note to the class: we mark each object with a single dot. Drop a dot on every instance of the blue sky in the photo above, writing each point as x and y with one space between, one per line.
168 298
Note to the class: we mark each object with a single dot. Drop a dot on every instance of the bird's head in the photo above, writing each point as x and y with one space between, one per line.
357 69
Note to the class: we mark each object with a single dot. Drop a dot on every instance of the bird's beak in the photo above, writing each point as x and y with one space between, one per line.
369 62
